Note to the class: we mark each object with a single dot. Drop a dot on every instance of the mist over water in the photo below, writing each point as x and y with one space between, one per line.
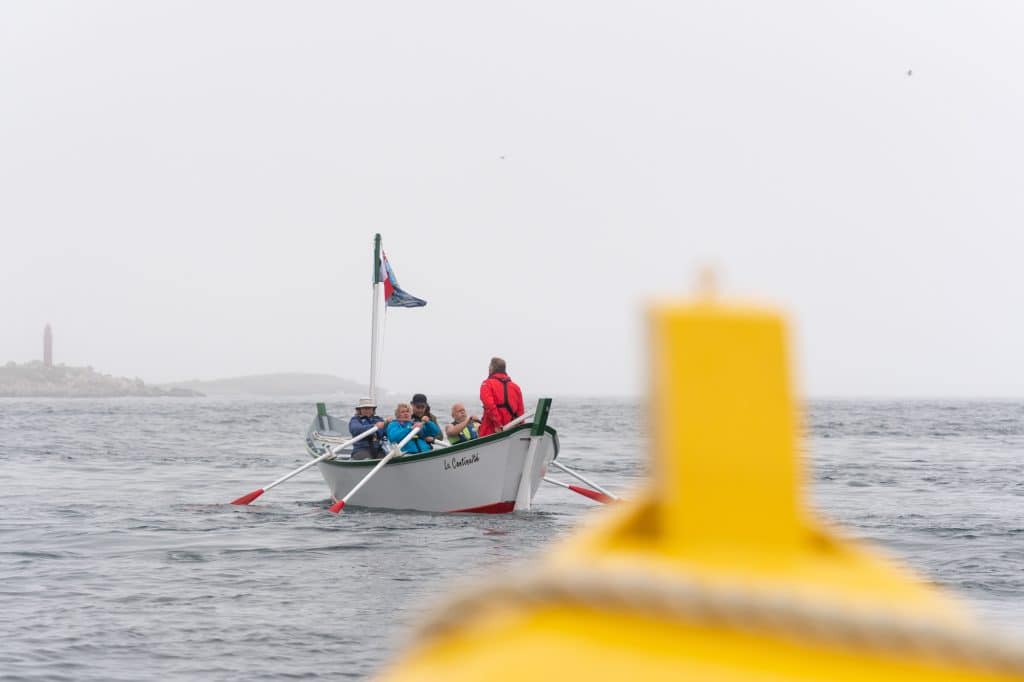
121 559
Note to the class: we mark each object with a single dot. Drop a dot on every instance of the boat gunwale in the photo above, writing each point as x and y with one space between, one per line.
410 458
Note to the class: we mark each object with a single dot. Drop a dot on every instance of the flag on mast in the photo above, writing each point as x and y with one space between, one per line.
394 296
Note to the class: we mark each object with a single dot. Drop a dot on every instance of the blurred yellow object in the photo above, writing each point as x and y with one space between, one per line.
717 571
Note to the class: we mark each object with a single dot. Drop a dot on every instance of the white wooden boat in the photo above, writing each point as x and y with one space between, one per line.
496 474
492 475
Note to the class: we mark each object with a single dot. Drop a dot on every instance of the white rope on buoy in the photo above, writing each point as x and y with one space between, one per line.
797 616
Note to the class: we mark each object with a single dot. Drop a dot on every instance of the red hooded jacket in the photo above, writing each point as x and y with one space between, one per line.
499 407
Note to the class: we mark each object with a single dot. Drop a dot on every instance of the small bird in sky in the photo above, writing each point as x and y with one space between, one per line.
910 72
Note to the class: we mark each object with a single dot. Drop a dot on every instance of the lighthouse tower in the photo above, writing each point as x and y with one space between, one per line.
48 346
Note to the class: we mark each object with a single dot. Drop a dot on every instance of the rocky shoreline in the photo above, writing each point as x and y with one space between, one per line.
36 380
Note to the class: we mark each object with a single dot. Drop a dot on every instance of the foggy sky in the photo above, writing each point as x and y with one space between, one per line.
190 190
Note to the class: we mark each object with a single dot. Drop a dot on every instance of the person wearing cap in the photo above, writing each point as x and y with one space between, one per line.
430 430
421 408
463 426
371 447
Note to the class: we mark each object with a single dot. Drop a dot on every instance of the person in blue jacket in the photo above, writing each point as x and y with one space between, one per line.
402 424
371 447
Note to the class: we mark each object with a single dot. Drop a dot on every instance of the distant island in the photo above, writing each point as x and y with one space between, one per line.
40 380
293 384
37 380
44 379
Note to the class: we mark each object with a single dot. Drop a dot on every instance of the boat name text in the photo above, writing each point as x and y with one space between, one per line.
464 460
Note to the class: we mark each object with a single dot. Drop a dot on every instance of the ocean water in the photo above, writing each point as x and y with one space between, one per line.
121 559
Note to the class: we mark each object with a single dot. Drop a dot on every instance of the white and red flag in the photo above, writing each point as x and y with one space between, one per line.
393 294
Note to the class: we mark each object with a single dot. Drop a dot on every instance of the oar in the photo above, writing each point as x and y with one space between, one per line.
340 504
581 478
586 492
331 452
518 420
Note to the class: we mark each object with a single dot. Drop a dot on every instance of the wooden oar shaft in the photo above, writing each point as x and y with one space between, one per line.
585 480
367 477
331 452
586 492
338 448
517 421
340 504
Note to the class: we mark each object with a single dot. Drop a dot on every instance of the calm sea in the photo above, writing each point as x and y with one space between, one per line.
120 558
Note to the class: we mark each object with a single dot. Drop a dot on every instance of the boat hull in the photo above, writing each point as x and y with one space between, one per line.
479 476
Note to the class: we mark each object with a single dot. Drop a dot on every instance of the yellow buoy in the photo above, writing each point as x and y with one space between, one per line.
718 570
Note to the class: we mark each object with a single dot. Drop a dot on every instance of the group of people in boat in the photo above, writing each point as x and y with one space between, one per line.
500 397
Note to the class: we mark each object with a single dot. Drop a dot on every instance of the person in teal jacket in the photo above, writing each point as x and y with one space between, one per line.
402 424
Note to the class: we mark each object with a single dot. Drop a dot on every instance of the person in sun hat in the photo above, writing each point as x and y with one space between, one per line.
371 447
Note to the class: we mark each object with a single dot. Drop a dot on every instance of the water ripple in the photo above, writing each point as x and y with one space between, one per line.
123 560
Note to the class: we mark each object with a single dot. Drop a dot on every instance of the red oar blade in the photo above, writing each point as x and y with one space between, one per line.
337 506
246 499
592 494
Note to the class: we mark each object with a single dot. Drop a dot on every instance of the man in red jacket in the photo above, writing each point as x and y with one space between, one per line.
501 397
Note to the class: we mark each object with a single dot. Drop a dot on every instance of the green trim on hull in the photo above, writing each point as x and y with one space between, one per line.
444 452
540 417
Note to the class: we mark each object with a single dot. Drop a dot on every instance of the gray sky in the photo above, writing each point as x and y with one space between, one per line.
190 190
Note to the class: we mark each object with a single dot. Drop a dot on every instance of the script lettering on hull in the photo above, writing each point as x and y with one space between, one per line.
457 462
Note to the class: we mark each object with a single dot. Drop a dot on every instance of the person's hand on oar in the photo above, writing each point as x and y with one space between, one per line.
331 452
